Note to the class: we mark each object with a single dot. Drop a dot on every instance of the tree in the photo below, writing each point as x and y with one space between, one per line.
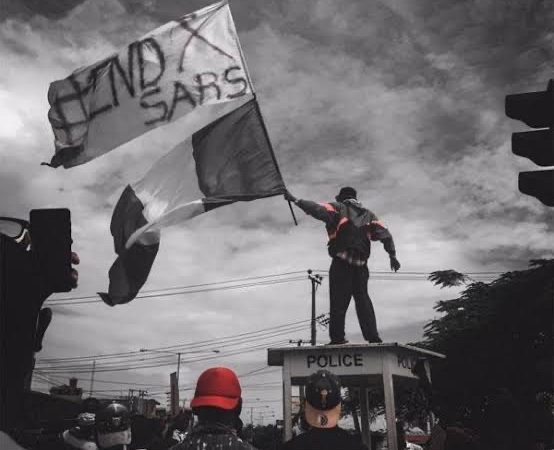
267 437
498 341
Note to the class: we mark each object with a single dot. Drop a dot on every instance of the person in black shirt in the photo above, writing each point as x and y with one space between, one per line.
351 228
322 410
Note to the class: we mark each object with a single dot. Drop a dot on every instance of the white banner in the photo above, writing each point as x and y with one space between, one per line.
180 66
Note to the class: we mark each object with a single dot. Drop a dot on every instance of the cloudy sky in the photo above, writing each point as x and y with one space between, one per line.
403 100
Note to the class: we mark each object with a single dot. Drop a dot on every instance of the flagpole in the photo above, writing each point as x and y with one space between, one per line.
272 152
247 72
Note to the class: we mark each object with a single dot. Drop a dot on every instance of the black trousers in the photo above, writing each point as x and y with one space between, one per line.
347 281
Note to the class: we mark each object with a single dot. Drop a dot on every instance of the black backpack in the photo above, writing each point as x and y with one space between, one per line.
351 235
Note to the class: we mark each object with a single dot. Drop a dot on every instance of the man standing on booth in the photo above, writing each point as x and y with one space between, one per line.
351 228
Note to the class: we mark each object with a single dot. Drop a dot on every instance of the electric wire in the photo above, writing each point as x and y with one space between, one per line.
153 355
71 301
213 283
189 289
194 344
136 367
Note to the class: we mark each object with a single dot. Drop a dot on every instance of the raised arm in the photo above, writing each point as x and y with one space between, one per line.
318 211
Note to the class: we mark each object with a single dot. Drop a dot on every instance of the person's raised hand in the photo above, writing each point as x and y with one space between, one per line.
289 197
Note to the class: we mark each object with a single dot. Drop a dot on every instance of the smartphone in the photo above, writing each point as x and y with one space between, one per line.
51 244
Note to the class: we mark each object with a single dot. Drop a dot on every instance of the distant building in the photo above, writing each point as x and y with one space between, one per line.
68 392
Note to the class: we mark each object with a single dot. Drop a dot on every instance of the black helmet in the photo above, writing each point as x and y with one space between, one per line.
114 417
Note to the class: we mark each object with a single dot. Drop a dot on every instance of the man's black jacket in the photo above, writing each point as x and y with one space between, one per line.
350 226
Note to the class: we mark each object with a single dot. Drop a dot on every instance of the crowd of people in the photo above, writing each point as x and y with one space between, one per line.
214 423
217 405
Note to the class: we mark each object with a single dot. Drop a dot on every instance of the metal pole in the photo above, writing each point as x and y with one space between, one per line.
287 400
92 377
364 413
178 366
271 150
313 335
316 280
390 408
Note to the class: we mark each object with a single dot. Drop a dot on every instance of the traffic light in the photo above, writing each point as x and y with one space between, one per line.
535 109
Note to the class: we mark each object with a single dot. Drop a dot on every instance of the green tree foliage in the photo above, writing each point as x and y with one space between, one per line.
447 278
497 377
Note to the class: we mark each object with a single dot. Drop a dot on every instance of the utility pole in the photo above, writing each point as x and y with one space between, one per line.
92 377
316 281
178 367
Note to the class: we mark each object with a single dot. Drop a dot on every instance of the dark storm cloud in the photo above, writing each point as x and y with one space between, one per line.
25 9
403 100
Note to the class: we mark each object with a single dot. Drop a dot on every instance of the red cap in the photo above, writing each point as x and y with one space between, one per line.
217 387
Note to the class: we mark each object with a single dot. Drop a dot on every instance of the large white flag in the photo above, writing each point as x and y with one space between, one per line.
191 69
226 161
168 73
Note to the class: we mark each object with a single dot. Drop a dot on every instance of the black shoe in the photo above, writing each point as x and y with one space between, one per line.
344 341
376 340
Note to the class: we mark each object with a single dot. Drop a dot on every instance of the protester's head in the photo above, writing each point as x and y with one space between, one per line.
86 420
217 397
323 401
90 405
346 193
113 426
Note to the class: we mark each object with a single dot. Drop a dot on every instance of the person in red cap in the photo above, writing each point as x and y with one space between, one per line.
217 403
351 228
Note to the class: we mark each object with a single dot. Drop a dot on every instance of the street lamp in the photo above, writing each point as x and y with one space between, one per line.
178 355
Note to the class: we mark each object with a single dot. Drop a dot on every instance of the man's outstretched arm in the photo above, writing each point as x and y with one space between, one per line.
313 209
378 232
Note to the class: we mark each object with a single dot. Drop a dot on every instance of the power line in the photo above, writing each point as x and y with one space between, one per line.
183 290
125 383
153 355
147 366
158 365
172 294
213 283
72 301
190 345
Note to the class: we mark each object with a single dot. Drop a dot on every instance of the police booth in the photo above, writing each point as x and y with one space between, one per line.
362 366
